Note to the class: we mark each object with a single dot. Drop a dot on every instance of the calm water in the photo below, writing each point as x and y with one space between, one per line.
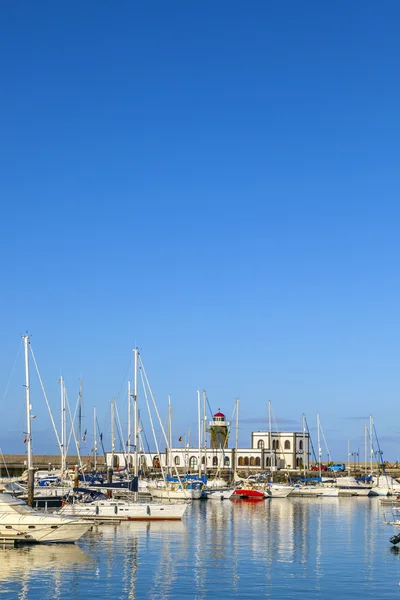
283 548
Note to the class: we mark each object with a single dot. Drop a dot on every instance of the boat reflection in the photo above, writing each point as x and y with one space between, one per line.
17 562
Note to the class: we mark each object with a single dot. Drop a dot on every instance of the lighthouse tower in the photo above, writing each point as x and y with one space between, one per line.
219 431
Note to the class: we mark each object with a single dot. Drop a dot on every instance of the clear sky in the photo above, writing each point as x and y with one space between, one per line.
216 183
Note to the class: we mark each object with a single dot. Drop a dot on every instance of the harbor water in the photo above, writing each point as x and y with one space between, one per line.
280 548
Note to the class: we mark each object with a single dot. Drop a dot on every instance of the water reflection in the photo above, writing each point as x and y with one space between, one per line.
289 548
21 567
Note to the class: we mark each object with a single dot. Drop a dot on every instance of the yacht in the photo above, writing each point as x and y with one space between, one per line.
21 523
89 504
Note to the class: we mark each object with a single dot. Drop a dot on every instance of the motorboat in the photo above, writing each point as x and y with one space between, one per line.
215 494
277 490
92 504
22 524
247 492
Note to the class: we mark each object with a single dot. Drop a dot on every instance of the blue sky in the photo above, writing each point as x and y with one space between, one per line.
215 183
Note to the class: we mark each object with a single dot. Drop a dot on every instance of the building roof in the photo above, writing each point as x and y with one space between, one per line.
219 414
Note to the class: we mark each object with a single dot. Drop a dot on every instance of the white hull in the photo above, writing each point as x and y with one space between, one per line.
381 491
354 491
274 490
175 494
218 494
125 511
316 491
19 522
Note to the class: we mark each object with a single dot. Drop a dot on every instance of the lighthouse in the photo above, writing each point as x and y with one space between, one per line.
219 431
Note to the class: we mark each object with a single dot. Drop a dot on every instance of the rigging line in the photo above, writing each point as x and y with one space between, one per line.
143 371
76 443
100 436
11 374
124 380
152 425
326 445
70 433
382 464
120 436
310 439
4 461
281 449
46 399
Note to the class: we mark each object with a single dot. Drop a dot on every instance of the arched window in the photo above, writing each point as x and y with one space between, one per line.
287 445
116 462
177 461
227 461
258 461
203 460
301 445
268 462
275 445
260 444
215 461
246 461
156 462
252 461
241 463
192 462
297 462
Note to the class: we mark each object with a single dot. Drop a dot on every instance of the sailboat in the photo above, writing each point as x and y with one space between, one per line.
20 523
91 503
315 487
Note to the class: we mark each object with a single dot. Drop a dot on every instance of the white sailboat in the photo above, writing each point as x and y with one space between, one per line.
95 505
21 523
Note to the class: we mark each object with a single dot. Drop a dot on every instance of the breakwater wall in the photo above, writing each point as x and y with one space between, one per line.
15 464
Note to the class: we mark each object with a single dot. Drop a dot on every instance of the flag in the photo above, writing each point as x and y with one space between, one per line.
84 436
101 437
24 440
180 439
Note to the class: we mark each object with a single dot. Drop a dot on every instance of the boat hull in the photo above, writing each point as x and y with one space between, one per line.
147 511
243 494
175 494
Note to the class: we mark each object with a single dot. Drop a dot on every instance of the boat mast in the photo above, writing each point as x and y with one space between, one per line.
63 428
80 415
236 436
28 422
199 426
304 444
95 440
319 448
365 453
270 434
129 427
371 450
112 432
169 434
205 430
135 412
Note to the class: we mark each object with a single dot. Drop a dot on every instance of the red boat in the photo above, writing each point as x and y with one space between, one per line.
245 494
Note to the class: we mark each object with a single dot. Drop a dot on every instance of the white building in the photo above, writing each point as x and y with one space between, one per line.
268 451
